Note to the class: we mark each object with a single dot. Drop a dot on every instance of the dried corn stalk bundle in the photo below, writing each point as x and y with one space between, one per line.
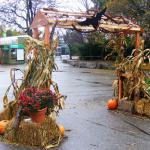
134 84
34 134
38 74
39 70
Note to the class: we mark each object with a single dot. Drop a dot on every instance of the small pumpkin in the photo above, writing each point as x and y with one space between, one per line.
3 125
61 129
112 104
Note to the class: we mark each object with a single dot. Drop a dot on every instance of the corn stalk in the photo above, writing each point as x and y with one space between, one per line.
39 69
133 66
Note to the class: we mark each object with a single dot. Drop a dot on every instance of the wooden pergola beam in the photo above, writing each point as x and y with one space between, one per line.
105 26
67 24
66 13
67 19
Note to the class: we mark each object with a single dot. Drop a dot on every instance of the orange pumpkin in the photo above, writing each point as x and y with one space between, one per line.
112 104
61 129
3 124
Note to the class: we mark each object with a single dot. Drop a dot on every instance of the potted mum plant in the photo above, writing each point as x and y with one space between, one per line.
35 101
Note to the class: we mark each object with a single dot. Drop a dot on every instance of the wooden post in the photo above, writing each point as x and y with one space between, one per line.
120 89
137 43
47 36
119 74
35 33
137 90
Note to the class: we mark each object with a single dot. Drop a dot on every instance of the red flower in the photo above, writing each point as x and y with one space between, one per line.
33 99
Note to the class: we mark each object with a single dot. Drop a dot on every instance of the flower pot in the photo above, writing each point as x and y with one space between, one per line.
39 116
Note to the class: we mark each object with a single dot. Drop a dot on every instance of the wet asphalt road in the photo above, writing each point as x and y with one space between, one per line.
88 123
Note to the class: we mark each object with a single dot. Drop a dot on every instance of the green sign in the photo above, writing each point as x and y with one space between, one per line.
17 46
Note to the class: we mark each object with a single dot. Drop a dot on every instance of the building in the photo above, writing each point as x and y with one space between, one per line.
62 48
12 50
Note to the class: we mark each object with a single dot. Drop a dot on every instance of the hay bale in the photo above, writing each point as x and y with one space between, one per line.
147 108
139 107
34 134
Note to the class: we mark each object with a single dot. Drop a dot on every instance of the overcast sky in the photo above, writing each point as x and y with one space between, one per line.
75 5
66 5
72 5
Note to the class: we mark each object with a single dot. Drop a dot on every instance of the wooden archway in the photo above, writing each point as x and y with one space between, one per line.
48 17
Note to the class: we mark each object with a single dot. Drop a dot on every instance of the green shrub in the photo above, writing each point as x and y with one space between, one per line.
147 80
91 51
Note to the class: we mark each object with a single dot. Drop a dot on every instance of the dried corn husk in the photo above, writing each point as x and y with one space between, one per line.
135 85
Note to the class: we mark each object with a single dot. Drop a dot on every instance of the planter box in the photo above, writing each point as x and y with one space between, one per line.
126 105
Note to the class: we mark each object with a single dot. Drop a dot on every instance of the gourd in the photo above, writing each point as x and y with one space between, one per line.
112 104
61 129
3 125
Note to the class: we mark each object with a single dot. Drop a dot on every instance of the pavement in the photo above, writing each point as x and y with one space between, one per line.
88 123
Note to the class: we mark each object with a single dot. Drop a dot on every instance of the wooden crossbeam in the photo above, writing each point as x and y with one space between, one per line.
66 13
105 26
68 19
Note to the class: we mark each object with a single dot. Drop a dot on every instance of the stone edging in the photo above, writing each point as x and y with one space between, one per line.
90 64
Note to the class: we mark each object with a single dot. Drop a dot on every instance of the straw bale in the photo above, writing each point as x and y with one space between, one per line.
34 134
147 107
139 107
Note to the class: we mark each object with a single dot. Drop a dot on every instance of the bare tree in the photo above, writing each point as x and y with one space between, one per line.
20 13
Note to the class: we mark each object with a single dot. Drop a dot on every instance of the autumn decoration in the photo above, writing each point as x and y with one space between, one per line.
61 129
112 104
3 125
